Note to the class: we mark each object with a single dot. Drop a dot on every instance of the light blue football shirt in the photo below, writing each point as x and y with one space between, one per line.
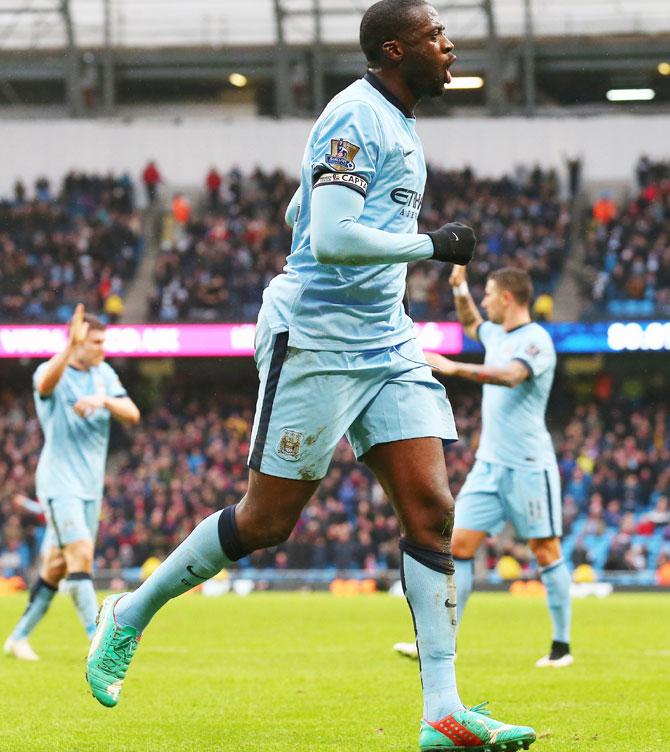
514 432
365 141
72 461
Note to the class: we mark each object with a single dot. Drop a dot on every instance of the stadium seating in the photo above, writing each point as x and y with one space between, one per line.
216 266
82 244
628 249
519 220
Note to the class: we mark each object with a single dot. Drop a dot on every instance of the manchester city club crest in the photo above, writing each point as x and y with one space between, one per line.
342 153
290 444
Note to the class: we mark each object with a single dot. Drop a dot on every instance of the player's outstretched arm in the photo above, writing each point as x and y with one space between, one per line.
466 309
510 375
55 367
337 236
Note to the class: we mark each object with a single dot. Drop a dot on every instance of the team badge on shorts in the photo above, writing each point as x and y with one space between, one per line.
290 444
342 153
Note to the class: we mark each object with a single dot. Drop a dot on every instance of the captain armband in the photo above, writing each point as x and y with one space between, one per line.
355 182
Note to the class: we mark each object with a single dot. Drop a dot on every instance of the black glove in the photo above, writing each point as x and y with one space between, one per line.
453 242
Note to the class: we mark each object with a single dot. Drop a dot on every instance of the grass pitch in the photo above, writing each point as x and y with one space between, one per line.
308 672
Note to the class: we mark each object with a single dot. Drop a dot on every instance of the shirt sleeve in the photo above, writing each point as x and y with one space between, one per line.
536 353
114 386
348 148
36 377
484 332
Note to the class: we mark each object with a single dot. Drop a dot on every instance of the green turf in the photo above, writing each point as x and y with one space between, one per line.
277 673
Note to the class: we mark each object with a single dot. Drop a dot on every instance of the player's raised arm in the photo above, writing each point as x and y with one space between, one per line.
466 309
51 374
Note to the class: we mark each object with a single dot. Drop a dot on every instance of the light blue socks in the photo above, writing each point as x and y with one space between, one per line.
41 595
464 578
80 587
556 580
431 595
195 560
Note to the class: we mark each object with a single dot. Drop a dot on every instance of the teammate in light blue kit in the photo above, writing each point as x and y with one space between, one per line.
515 477
337 356
76 394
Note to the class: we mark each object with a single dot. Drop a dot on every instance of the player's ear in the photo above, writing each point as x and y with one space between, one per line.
393 51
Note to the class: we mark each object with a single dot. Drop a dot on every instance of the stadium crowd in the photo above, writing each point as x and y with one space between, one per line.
215 264
80 243
520 220
188 458
628 248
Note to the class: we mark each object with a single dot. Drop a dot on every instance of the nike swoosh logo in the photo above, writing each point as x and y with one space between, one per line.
189 568
449 604
454 234
407 153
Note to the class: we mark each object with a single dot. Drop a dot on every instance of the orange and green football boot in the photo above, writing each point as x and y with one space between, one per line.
473 730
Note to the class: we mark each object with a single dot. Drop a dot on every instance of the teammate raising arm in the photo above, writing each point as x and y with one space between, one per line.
515 477
76 394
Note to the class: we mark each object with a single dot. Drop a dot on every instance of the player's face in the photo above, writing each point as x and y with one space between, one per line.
428 55
494 302
92 351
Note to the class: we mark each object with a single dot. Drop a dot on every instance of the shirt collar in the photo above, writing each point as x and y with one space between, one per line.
377 84
520 326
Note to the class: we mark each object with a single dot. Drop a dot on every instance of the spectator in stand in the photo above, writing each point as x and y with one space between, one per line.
604 209
19 193
181 209
213 184
151 178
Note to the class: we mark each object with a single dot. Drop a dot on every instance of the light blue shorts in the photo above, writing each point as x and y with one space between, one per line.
70 519
309 399
495 494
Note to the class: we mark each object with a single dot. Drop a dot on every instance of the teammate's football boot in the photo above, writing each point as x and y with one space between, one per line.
408 649
109 656
473 730
20 649
559 656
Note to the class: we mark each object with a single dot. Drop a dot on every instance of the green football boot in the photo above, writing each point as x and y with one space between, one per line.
111 651
472 730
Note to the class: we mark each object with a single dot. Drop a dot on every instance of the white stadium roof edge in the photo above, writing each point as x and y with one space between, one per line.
155 23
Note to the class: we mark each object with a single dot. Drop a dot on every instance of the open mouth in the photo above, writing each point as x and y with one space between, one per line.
451 59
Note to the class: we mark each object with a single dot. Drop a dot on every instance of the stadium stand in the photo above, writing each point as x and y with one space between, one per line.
82 243
628 248
215 266
519 219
